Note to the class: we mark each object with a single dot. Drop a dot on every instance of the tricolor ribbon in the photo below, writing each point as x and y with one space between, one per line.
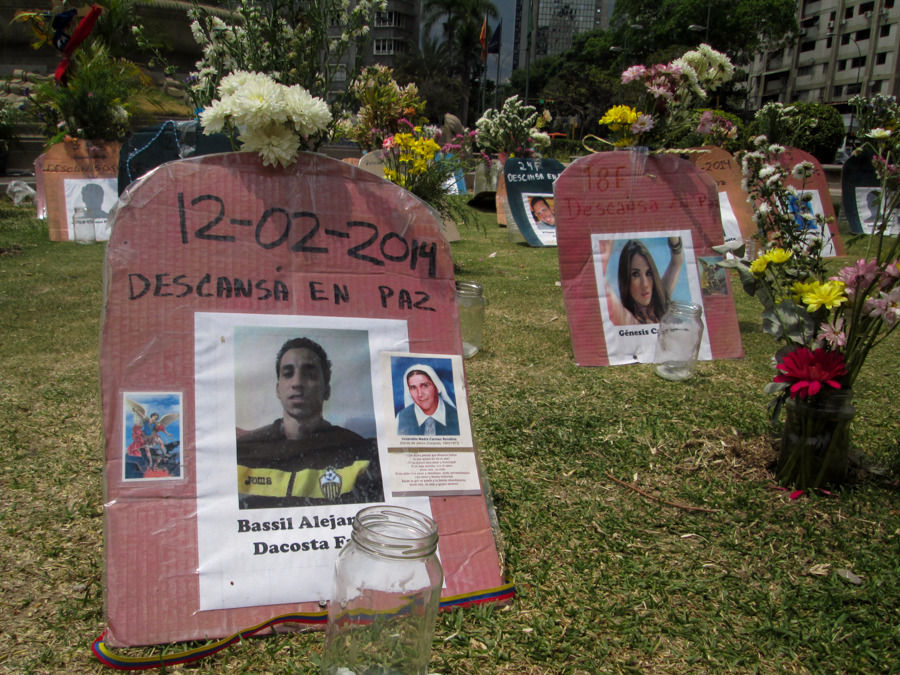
106 656
85 26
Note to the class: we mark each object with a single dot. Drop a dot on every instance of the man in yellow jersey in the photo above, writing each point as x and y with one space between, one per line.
301 459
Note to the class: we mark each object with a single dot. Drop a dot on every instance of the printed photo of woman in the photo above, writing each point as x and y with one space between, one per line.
643 295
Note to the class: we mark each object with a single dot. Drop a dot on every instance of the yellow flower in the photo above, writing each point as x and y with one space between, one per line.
620 115
778 255
759 265
799 288
828 295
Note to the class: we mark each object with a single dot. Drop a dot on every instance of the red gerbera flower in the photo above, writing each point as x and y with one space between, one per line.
808 371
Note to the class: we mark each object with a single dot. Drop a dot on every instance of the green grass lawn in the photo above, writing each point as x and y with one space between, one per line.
706 567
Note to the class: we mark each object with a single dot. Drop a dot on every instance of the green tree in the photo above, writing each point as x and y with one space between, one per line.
427 68
739 28
461 22
583 81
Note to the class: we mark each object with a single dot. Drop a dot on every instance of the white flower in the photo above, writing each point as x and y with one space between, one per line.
879 134
803 170
213 118
257 103
275 143
309 114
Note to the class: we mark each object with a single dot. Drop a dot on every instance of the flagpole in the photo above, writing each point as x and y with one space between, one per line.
497 81
528 51
483 42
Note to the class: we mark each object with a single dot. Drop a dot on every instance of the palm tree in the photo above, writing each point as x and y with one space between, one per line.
427 68
462 21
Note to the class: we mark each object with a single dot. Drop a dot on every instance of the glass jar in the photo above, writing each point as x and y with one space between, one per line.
470 299
83 226
678 342
387 589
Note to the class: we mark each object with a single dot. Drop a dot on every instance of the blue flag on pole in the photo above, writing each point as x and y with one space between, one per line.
494 45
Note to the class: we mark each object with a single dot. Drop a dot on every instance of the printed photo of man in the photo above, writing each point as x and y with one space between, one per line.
301 459
542 211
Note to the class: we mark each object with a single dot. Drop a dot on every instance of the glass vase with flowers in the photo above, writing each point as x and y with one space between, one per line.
827 324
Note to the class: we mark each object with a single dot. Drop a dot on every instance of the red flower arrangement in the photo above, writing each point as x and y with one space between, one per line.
808 371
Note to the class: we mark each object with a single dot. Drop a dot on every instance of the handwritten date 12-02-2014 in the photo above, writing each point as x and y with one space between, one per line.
301 232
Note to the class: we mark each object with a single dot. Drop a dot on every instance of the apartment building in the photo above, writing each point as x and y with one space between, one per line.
845 48
554 24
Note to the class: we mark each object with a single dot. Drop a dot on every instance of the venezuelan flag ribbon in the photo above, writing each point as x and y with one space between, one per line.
106 656
85 26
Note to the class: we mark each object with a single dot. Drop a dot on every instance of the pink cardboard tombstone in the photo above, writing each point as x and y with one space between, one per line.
612 206
821 203
724 169
213 263
79 175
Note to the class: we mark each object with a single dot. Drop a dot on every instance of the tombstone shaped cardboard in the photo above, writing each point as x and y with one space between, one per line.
79 179
373 162
656 212
148 148
213 264
500 197
861 196
725 170
820 204
529 193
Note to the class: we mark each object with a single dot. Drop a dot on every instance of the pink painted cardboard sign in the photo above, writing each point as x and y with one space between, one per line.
725 170
213 264
628 210
821 203
79 175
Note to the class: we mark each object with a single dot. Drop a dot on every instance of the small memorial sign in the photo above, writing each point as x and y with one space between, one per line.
260 327
634 232
861 195
79 181
529 193
820 203
725 170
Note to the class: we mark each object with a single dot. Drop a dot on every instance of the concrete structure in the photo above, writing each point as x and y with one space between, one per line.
555 23
845 48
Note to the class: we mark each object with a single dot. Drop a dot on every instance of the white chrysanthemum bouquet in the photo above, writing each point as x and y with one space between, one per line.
269 118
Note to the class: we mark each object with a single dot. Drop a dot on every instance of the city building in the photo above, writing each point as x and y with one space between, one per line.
554 24
845 48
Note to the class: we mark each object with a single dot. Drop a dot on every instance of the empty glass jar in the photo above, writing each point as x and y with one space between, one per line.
678 342
470 298
387 589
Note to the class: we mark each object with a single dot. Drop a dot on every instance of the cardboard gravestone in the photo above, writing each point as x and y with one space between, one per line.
373 162
621 210
500 198
529 193
861 198
40 199
820 204
214 263
79 179
725 170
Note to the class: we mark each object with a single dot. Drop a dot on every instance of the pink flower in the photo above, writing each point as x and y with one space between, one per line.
644 124
890 277
660 92
833 333
808 371
633 73
886 306
858 276
388 143
706 123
